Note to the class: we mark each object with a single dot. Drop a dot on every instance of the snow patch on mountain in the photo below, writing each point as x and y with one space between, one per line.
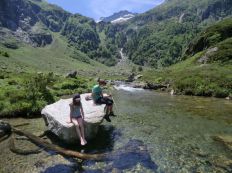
119 17
123 18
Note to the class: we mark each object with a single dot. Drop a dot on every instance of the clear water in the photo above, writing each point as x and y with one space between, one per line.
176 130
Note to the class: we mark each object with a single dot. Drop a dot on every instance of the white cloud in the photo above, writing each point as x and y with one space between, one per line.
103 8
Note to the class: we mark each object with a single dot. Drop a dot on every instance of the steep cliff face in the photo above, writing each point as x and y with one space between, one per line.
18 14
81 32
218 38
29 21
26 13
217 9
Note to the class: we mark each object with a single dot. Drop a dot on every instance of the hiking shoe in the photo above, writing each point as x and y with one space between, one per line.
107 118
112 114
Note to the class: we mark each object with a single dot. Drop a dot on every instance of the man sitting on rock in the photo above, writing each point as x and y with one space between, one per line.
98 98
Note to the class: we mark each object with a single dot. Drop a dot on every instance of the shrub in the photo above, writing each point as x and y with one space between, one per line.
37 91
133 70
34 91
6 54
12 82
21 108
140 68
15 96
1 106
220 92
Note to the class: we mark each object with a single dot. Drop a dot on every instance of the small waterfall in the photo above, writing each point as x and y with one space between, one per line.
126 87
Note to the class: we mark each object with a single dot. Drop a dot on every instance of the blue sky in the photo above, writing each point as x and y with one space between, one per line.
103 8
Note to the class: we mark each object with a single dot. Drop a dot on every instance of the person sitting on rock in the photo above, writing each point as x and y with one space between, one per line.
77 116
98 98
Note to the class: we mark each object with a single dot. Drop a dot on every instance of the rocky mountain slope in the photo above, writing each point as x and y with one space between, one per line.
156 38
160 36
35 23
31 21
205 69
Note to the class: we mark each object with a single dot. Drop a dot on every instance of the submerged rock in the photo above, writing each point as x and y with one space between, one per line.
224 139
134 156
138 76
57 115
134 153
5 128
131 78
154 86
222 162
138 84
172 92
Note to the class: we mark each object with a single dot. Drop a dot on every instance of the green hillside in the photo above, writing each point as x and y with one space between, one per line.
160 36
56 57
156 38
37 23
207 68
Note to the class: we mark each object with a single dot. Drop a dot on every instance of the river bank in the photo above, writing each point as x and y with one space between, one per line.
193 78
25 94
187 78
166 87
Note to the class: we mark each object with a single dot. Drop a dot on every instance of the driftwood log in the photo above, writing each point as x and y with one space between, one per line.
7 131
3 138
42 143
20 151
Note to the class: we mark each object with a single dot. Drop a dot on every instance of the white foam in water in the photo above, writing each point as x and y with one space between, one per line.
127 88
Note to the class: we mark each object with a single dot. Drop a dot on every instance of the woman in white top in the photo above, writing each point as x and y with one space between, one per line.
77 116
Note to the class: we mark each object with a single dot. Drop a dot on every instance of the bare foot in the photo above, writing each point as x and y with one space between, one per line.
83 142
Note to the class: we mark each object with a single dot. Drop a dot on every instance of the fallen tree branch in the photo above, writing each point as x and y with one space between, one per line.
4 137
20 151
42 143
43 134
19 125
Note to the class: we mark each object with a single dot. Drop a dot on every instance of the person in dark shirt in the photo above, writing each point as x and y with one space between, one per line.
98 98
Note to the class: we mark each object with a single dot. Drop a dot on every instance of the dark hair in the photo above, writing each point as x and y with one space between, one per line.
101 81
76 96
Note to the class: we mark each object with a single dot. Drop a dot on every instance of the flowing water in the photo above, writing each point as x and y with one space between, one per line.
176 130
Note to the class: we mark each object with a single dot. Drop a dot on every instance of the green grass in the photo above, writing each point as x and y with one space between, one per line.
211 36
25 94
192 78
224 54
55 57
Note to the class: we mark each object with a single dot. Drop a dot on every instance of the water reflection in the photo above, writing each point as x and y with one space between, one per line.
104 141
134 153
61 168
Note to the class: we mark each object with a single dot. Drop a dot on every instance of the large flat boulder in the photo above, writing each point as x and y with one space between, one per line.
57 114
